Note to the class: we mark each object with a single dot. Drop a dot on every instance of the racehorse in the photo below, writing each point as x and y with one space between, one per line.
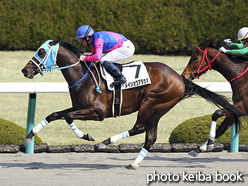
151 101
206 57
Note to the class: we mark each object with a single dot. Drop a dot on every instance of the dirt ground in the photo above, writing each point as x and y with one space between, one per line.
77 169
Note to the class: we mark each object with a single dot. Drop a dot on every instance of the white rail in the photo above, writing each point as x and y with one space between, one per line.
59 87
218 87
38 87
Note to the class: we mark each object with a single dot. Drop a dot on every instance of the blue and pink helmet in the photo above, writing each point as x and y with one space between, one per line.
84 31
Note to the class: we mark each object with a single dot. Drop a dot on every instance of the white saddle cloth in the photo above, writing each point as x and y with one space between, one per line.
135 74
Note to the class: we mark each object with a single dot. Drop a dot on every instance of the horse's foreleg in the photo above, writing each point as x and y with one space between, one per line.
82 114
68 115
42 124
209 144
228 121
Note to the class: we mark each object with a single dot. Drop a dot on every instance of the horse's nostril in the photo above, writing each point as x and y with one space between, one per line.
24 71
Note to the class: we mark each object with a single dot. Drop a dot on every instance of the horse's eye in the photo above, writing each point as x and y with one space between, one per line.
41 53
195 58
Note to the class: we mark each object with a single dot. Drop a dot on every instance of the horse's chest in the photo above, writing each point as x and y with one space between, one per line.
79 101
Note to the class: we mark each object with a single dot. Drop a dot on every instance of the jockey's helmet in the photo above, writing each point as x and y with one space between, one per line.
84 31
243 33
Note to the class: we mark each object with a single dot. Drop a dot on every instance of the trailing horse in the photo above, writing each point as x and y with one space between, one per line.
206 57
151 101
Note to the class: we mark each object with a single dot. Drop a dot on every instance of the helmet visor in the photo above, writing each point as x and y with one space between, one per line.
243 41
82 40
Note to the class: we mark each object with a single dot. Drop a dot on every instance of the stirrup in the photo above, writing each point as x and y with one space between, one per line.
119 81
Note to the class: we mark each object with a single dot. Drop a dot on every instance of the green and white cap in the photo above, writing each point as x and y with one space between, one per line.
243 33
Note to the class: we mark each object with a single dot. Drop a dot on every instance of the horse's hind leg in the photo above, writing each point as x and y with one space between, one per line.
145 112
138 128
151 137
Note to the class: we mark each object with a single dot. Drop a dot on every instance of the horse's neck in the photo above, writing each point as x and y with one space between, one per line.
72 74
225 66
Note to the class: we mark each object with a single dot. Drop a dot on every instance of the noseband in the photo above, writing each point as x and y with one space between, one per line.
39 66
204 57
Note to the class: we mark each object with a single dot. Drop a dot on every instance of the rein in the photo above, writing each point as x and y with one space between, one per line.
97 85
82 77
239 75
61 68
205 56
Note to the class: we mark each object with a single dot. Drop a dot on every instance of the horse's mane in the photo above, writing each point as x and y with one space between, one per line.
212 43
72 48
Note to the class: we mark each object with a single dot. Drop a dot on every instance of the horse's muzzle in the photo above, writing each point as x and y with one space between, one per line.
28 74
191 77
25 72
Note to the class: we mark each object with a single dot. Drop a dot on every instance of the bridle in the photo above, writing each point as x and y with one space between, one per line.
204 57
49 60
39 66
209 65
46 63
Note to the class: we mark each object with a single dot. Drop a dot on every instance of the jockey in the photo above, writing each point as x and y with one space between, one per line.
238 49
116 48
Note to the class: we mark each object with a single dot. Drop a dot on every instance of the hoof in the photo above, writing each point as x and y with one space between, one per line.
27 141
210 147
101 146
130 167
90 137
193 153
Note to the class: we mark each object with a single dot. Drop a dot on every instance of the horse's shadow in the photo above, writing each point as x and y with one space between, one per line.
46 166
184 162
189 162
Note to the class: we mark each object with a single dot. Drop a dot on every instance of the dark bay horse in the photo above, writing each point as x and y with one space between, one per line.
206 57
152 101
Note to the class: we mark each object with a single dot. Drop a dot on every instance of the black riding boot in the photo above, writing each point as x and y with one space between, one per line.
115 71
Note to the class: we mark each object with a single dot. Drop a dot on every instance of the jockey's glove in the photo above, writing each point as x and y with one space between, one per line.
228 42
222 49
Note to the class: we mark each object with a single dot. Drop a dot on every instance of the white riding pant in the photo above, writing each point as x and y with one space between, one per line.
126 50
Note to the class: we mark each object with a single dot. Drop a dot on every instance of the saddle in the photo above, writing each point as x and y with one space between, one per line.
136 75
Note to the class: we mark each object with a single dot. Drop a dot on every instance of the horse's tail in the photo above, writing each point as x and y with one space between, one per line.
218 100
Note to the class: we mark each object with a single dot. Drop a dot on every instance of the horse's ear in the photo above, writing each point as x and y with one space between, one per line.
54 42
210 42
207 42
217 44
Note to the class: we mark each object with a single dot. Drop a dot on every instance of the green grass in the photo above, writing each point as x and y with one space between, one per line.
13 134
196 130
14 106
